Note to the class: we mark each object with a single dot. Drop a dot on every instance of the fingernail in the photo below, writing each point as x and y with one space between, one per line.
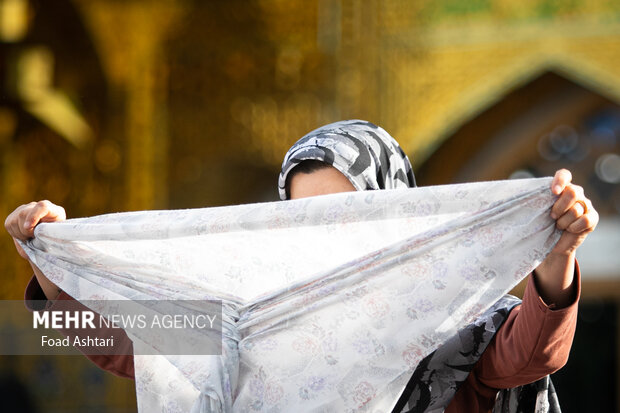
553 215
557 189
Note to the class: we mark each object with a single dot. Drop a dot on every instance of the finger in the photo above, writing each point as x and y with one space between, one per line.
576 211
581 206
570 216
13 216
43 211
22 218
566 200
11 221
585 223
560 180
16 228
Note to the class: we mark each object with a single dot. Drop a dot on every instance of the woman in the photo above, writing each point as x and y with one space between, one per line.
355 155
522 351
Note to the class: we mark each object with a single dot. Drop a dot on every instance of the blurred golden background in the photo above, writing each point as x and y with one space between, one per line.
110 105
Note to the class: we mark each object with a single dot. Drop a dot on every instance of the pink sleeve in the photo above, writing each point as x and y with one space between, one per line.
118 364
534 341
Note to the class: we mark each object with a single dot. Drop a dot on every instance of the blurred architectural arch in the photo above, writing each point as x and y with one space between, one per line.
505 80
521 131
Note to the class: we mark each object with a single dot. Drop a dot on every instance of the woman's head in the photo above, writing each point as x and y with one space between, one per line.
365 154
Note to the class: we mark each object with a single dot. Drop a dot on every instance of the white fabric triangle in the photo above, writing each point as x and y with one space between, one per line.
329 302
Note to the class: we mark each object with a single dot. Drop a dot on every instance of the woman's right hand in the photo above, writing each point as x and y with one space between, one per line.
21 223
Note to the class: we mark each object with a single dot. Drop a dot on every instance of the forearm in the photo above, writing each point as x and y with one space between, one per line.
534 341
50 289
554 279
117 360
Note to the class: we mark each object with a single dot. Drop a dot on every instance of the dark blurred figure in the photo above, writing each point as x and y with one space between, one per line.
14 395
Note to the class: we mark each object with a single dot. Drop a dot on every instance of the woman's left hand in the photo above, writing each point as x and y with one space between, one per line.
573 213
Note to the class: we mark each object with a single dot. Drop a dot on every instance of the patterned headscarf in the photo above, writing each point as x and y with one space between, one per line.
365 153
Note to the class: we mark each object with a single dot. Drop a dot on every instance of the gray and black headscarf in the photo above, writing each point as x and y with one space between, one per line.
365 153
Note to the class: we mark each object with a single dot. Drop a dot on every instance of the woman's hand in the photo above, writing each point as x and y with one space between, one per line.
21 223
575 215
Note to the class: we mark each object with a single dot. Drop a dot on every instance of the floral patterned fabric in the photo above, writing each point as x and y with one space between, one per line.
438 376
329 303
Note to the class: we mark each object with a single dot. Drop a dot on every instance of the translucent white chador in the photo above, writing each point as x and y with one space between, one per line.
329 302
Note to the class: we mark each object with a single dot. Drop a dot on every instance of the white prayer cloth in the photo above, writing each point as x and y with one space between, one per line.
329 302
